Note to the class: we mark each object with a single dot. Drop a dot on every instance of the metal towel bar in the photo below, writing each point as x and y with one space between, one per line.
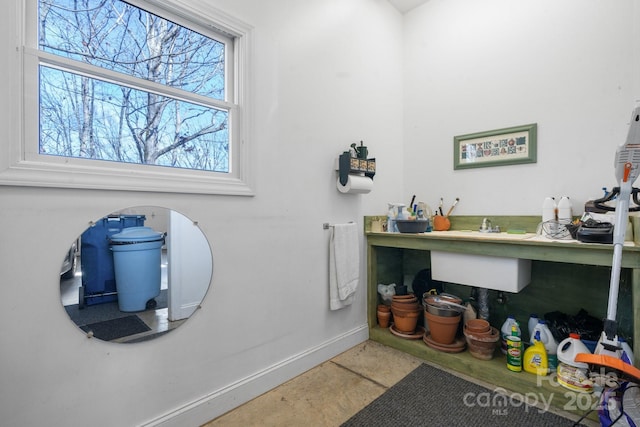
326 225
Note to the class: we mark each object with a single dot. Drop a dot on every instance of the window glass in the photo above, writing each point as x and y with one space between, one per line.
127 125
132 87
118 36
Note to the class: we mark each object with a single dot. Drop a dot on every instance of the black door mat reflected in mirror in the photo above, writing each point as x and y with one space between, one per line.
109 330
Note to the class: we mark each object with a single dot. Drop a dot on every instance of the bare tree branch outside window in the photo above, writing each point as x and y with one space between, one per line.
86 116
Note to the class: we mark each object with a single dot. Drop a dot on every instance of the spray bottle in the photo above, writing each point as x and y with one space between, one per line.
535 357
394 210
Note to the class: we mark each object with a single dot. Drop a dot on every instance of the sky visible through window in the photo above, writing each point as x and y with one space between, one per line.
84 115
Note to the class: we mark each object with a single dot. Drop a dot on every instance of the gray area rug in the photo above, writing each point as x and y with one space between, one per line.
429 396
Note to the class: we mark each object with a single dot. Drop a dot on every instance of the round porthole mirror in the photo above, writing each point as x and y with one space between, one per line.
135 274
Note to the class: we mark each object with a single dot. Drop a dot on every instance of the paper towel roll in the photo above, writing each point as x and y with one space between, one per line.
356 184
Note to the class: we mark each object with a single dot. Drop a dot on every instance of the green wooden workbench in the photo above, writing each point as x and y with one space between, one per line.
387 252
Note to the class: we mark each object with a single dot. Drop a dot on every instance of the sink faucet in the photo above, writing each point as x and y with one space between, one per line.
487 228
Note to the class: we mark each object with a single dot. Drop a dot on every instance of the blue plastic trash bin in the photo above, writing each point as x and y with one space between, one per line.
96 259
136 261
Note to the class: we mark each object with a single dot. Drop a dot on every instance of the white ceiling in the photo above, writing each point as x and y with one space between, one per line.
406 5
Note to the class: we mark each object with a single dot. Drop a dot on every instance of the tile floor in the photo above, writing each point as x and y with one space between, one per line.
328 394
332 392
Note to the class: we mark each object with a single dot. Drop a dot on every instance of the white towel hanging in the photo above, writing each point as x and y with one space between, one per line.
344 265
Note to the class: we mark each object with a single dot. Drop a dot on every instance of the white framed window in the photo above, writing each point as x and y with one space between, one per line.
143 95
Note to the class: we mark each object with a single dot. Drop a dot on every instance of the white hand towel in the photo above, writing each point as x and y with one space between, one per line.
344 265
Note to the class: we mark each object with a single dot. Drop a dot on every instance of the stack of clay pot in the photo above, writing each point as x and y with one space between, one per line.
481 338
443 314
406 310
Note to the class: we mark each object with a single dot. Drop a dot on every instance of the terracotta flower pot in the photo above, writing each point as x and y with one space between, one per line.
401 301
405 307
384 318
400 297
403 311
477 326
443 329
406 322
482 345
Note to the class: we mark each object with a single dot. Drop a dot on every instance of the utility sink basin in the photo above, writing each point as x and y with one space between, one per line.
483 271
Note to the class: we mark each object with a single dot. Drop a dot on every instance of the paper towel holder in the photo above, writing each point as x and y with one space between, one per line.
353 165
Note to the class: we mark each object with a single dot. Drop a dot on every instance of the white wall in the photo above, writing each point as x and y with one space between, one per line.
471 66
327 73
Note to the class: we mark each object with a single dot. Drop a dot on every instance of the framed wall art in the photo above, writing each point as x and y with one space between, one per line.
500 147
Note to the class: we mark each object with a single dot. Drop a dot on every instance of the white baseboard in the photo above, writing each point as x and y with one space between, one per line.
223 400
